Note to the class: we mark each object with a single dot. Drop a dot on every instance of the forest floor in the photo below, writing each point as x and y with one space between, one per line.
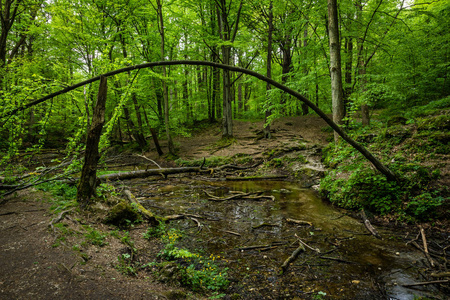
36 264
79 259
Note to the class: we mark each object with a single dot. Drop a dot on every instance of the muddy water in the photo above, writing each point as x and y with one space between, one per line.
351 264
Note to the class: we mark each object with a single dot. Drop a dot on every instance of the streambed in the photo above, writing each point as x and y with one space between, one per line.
351 264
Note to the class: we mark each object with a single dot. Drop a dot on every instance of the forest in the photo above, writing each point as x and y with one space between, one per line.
226 149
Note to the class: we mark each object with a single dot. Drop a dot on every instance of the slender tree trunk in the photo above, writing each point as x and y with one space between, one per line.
88 180
132 130
154 135
268 113
335 66
165 91
305 108
348 73
140 131
365 117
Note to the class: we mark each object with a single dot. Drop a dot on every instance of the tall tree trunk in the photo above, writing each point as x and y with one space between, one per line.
165 91
268 113
365 117
305 108
348 73
88 180
228 33
335 66
140 130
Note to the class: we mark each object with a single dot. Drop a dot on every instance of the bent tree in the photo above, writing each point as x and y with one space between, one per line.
369 156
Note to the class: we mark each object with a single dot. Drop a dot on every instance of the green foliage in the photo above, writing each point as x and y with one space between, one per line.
94 236
353 184
423 207
64 195
126 265
197 272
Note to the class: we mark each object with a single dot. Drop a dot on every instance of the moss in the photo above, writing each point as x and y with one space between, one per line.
122 215
441 122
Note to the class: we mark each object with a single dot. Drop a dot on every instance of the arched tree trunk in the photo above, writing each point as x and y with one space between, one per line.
377 164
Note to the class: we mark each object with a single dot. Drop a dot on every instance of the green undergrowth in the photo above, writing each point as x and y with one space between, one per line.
64 195
179 265
414 150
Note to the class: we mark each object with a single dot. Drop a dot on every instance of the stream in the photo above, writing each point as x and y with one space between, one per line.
352 264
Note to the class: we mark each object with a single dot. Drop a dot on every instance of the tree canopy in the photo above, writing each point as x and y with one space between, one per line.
394 54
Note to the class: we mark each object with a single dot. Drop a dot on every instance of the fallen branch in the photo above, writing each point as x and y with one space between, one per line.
306 245
240 195
257 247
425 246
369 226
250 178
231 232
182 216
150 160
291 258
438 275
426 283
299 222
336 259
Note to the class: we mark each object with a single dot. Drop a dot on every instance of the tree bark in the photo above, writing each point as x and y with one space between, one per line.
268 113
165 91
88 180
335 66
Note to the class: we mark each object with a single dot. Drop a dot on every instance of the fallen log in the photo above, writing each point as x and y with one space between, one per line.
145 173
148 215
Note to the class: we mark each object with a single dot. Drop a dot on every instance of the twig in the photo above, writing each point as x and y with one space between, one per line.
307 246
231 232
150 160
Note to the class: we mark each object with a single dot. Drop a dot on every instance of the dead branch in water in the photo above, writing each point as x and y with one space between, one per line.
369 226
299 222
291 258
426 283
240 195
425 246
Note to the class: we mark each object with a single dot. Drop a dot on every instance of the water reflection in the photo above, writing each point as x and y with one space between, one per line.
351 265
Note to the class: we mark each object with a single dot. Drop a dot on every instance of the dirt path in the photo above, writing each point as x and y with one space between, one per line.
287 131
32 268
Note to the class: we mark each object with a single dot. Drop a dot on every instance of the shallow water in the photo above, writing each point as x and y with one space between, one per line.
351 264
